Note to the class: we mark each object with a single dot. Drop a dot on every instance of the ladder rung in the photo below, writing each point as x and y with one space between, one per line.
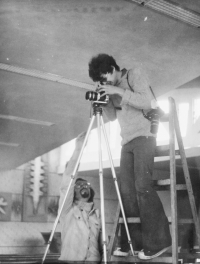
180 187
162 182
132 220
136 220
164 151
134 259
166 182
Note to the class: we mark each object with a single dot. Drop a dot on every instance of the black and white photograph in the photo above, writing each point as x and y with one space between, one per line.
99 131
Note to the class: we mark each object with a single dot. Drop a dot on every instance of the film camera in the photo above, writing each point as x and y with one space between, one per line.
154 116
96 96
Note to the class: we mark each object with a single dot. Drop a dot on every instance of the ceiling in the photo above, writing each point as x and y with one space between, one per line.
45 47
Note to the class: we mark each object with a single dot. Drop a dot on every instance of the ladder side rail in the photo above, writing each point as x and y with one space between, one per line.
187 176
174 222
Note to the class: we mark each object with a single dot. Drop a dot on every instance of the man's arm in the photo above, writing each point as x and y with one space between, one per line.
67 176
139 95
110 111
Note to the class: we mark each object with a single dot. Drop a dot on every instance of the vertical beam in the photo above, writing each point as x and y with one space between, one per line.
174 224
186 174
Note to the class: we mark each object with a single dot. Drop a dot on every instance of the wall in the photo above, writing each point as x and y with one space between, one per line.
21 224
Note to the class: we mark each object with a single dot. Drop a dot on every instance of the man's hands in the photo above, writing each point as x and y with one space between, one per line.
110 90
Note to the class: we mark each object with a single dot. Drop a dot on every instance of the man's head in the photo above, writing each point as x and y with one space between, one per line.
103 68
83 191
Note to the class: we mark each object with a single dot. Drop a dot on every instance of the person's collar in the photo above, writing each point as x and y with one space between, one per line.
123 74
123 71
85 206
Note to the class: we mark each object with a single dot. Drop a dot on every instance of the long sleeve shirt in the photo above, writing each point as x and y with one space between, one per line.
128 108
80 223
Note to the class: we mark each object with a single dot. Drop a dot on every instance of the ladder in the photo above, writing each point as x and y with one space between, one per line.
174 132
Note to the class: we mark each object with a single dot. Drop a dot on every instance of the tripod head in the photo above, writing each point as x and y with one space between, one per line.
97 108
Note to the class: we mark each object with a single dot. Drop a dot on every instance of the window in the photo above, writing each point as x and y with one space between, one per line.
183 111
196 110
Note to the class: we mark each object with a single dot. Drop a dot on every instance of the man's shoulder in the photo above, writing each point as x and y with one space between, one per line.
137 71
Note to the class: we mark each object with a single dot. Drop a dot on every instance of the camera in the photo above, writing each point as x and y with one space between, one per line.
154 116
96 97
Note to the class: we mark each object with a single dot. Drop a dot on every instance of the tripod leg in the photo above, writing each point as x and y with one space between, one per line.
72 178
101 190
116 186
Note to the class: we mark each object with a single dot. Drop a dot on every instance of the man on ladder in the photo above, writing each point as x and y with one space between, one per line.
129 97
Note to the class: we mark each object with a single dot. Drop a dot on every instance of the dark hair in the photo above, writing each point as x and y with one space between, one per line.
79 179
101 64
92 192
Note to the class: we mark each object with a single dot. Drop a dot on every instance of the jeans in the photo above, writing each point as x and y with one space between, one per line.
140 199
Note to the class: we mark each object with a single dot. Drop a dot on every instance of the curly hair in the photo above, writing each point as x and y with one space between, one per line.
101 64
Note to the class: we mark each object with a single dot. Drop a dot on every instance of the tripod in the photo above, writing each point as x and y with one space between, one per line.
97 112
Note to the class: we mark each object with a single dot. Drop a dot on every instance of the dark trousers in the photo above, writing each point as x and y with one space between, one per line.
140 199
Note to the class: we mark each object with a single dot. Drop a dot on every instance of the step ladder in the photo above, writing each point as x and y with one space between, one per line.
174 257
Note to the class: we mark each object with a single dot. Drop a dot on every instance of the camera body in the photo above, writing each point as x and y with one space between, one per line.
154 116
96 97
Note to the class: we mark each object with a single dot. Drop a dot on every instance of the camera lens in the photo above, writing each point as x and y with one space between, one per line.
154 126
154 123
91 96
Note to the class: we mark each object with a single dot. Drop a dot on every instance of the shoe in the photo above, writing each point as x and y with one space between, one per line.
120 253
150 255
